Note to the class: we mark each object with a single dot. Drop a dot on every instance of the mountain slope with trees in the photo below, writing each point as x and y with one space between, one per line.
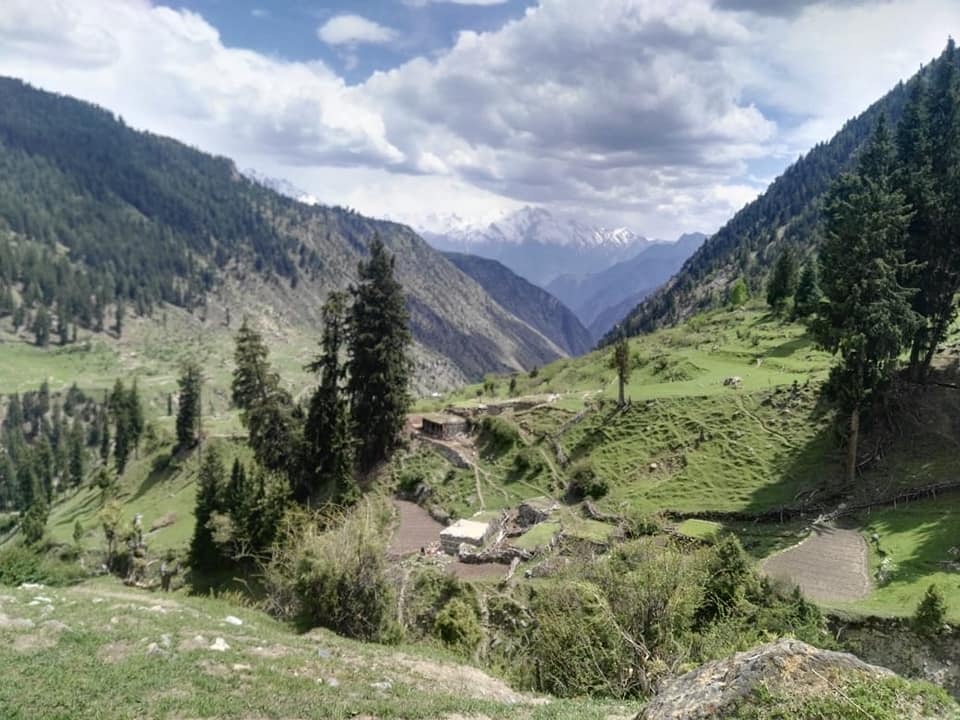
98 221
788 215
535 306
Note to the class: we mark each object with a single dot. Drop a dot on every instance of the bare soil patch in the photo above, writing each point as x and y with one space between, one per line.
415 529
831 565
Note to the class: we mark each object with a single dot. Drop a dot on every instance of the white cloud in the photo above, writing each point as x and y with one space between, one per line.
168 71
423 3
639 112
354 30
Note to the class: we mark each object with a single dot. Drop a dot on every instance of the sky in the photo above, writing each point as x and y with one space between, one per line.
664 116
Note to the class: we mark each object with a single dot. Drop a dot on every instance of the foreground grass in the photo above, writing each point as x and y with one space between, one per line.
99 650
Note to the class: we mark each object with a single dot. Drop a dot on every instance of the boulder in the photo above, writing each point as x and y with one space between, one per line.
714 689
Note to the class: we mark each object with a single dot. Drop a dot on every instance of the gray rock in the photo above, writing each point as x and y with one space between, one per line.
714 688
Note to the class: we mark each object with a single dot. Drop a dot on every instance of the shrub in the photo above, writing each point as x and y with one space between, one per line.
458 626
584 482
730 578
20 564
497 435
931 614
335 577
528 460
575 645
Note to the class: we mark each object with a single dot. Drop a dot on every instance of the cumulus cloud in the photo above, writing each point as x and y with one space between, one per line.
168 71
644 112
354 30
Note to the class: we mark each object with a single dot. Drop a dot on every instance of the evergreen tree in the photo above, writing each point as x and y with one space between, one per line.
135 418
928 146
76 462
204 554
252 381
378 366
327 442
104 437
119 316
868 316
188 414
783 281
8 482
41 327
34 521
807 297
620 361
123 431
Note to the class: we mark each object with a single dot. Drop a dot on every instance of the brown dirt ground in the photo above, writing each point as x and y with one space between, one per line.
831 565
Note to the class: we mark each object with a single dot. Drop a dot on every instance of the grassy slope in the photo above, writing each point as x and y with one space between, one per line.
765 445
268 671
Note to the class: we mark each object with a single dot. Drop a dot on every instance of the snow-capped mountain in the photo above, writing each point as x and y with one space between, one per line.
540 245
284 187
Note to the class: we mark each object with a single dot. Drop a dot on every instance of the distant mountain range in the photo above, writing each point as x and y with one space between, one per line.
599 273
604 298
541 246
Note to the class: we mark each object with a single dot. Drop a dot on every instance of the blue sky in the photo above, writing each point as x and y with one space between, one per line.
288 28
663 116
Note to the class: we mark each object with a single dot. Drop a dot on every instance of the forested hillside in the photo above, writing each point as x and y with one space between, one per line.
535 306
98 220
788 214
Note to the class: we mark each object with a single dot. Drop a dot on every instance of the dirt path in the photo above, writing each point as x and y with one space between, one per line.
829 566
416 529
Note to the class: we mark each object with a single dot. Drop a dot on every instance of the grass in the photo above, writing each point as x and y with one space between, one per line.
876 698
129 653
155 486
700 529
917 539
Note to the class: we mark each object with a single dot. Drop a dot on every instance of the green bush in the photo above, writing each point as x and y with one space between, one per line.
335 577
575 645
528 460
497 436
20 564
584 482
458 626
931 614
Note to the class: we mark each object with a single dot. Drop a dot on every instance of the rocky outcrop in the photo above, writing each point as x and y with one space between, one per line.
714 689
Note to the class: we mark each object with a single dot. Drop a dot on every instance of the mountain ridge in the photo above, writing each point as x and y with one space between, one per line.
95 216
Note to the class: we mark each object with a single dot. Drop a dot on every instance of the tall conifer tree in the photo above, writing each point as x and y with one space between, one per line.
188 413
378 366
868 317
328 463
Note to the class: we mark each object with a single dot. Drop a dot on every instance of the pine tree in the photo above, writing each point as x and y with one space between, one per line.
252 379
41 327
122 429
620 361
76 449
378 366
34 521
119 316
104 437
327 467
135 418
807 297
204 554
928 145
868 317
783 281
188 414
